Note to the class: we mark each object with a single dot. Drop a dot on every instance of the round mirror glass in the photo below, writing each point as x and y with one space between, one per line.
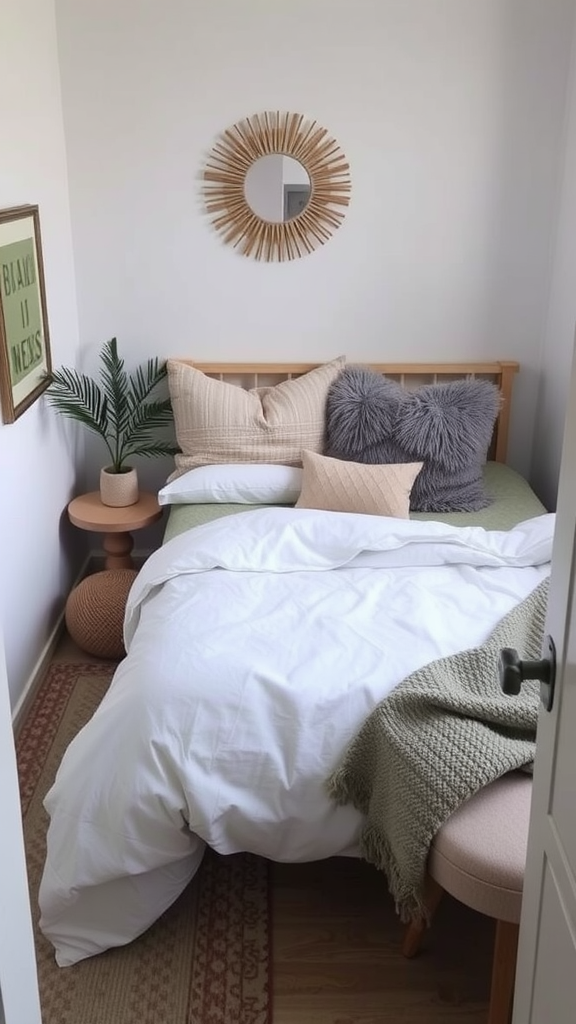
277 187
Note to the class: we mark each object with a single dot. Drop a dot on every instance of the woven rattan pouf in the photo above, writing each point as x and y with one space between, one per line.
95 612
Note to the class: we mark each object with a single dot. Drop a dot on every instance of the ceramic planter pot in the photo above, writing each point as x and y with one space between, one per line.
118 489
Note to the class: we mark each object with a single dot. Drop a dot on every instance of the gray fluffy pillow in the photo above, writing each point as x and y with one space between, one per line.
448 427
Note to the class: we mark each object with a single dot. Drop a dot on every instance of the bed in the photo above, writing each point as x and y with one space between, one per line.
261 635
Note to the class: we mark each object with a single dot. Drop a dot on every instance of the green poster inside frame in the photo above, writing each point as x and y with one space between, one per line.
24 343
21 305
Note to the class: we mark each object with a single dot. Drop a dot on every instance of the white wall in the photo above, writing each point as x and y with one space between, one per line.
559 337
450 112
38 556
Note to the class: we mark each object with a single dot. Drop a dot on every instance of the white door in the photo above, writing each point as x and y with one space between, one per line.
19 1002
546 974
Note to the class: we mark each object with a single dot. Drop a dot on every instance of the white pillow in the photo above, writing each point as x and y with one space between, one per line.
244 483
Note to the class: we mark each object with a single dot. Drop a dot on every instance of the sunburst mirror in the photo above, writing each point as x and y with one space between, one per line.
276 185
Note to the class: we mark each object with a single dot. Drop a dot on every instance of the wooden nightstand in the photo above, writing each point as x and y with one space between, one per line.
88 513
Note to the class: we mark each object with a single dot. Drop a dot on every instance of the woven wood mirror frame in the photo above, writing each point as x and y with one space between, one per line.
236 150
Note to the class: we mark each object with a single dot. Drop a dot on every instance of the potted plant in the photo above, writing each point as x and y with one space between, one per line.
121 411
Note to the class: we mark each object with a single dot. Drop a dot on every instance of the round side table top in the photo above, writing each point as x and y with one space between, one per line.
87 512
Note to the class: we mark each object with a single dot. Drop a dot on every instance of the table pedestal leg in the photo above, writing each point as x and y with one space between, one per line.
118 547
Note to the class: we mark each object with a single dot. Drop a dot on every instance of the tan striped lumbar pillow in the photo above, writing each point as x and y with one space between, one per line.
217 422
339 486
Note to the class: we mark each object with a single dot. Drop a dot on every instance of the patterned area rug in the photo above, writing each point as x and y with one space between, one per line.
207 960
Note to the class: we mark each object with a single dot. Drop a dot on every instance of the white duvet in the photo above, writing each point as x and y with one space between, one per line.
257 645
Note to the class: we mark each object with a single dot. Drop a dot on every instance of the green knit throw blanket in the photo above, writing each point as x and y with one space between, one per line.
442 734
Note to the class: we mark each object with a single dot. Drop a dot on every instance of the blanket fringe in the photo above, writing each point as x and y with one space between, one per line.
408 900
344 788
375 848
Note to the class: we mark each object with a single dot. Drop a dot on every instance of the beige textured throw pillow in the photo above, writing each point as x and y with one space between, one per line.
217 422
339 486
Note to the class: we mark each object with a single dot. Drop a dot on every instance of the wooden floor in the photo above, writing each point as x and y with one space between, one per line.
336 948
337 953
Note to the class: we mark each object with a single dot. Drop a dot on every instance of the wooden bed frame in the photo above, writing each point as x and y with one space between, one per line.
410 375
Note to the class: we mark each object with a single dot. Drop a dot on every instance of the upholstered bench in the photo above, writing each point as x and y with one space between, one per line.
479 857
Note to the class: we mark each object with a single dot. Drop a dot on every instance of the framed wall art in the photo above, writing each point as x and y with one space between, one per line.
24 338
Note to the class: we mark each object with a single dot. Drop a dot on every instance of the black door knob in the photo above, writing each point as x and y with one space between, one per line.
513 671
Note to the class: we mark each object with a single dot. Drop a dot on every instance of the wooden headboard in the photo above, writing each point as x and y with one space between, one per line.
409 375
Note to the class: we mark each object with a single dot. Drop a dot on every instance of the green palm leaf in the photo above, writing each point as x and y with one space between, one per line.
143 382
116 388
154 414
79 397
152 449
119 410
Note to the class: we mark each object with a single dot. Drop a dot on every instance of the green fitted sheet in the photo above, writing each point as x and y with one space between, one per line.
513 501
